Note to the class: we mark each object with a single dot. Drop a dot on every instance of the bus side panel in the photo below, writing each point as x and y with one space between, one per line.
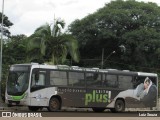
92 97
41 97
72 97
96 97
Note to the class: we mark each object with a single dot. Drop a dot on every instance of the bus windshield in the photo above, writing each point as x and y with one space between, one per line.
18 82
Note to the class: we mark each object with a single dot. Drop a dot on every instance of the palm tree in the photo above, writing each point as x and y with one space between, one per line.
51 45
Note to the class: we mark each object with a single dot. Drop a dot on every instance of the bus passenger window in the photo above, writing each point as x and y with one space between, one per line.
104 81
93 79
125 82
41 80
112 81
38 79
58 78
136 82
76 79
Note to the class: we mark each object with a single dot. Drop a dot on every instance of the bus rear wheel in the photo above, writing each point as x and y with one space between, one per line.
119 106
54 104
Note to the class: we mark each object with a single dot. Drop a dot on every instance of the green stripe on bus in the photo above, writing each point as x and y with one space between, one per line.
18 97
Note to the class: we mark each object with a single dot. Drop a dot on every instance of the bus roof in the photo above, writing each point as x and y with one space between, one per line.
147 74
77 68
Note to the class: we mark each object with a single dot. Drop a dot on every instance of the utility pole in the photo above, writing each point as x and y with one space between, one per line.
1 47
102 58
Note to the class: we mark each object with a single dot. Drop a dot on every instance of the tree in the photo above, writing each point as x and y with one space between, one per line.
132 24
50 45
14 51
6 24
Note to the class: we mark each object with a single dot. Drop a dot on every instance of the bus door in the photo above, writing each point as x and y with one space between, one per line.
38 96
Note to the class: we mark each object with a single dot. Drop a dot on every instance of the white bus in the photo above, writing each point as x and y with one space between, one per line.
56 86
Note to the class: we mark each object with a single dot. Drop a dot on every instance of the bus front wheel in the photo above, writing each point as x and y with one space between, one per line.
54 104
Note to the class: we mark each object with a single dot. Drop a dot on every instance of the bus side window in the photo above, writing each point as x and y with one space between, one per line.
153 79
58 78
104 80
35 75
97 81
138 80
38 79
112 81
125 82
41 80
135 81
93 79
76 79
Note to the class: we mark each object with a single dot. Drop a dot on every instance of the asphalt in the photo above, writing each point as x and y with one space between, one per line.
2 104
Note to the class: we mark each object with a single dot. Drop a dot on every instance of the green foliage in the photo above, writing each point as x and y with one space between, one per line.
14 51
133 24
50 45
6 24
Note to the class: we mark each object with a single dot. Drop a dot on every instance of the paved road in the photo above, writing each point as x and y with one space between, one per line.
2 104
72 112
86 114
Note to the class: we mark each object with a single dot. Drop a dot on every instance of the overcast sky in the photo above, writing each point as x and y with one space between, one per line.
27 15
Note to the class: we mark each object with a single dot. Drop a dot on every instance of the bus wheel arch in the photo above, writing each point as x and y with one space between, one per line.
119 105
55 103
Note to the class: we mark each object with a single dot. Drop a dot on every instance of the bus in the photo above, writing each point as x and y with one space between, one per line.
55 86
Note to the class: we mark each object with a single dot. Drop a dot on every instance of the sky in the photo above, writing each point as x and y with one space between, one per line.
27 15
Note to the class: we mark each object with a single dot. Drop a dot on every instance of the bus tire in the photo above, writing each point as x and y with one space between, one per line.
54 104
119 106
33 108
95 109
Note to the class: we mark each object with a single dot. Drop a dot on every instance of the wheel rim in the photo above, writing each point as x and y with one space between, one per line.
54 105
119 106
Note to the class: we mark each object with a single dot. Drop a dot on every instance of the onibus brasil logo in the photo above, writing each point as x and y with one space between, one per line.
98 96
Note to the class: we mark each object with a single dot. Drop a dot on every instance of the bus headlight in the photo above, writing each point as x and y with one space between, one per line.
8 97
26 95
